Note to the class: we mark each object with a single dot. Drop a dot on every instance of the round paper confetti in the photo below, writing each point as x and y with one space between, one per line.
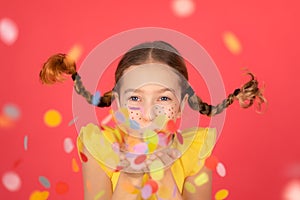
134 124
83 157
211 162
75 52
183 8
96 98
8 31
146 191
189 187
61 188
201 179
25 142
120 117
12 111
156 170
221 169
39 195
140 148
99 195
68 145
232 43
5 121
73 121
52 118
11 181
44 181
153 185
221 194
140 159
128 187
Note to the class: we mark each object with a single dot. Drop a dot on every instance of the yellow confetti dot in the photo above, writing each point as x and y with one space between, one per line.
75 52
221 194
189 187
39 195
156 170
75 166
128 187
99 195
232 43
201 179
164 192
52 118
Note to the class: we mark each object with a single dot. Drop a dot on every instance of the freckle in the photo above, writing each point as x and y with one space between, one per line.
132 117
137 113
159 111
172 113
169 117
131 112
169 109
140 118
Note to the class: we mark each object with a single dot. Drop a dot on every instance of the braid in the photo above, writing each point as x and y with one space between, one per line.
246 96
104 101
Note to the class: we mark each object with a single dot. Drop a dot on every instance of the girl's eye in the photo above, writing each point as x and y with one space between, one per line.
164 99
134 98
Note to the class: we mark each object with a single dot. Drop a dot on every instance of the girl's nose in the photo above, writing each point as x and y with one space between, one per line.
152 111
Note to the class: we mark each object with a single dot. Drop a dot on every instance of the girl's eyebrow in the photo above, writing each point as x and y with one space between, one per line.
158 91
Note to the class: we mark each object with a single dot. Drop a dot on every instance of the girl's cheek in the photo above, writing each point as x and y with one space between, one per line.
170 111
135 113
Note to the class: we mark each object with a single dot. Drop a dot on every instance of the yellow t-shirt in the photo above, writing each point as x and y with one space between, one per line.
197 146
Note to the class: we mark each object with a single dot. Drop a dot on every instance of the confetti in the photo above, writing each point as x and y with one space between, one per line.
221 169
146 191
119 117
211 162
25 142
189 187
96 98
140 159
201 179
156 171
292 190
171 126
83 157
232 43
75 166
134 124
8 31
99 195
68 145
61 188
44 181
11 111
162 139
221 194
183 8
11 181
106 119
52 118
160 121
179 137
73 121
75 52
140 148
39 195
5 121
153 185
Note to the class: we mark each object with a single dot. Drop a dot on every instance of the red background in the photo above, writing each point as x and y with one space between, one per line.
261 153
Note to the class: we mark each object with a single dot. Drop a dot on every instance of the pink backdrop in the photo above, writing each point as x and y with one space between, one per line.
261 153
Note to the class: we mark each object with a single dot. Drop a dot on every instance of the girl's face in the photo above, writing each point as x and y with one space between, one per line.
150 90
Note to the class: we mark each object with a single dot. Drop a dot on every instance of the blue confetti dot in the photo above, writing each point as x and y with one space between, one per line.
11 111
44 181
134 124
96 98
120 117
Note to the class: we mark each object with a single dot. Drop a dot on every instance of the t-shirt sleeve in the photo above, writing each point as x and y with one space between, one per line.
200 148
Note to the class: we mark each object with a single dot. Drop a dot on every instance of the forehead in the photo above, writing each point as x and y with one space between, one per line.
152 73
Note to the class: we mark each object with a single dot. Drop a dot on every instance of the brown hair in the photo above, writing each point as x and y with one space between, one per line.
149 52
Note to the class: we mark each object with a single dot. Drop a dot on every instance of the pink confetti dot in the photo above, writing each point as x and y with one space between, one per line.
8 31
11 181
146 191
221 169
68 145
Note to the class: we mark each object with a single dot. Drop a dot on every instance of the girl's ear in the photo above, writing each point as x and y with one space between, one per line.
182 105
117 99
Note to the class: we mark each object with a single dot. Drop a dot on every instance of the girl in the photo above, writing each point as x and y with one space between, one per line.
145 155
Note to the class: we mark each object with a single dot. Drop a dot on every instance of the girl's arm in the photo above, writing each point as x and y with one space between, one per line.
203 192
95 181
